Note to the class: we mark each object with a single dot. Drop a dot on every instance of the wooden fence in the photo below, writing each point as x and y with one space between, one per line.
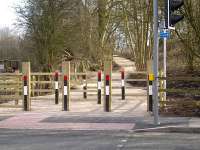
12 86
11 90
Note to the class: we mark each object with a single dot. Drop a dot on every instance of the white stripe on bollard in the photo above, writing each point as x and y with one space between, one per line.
150 90
107 90
123 83
84 83
56 85
25 90
65 90
99 85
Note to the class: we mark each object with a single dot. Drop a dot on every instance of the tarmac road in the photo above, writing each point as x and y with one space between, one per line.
96 140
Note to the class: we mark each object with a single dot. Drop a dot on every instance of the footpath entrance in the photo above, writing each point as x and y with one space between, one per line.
90 92
64 100
103 100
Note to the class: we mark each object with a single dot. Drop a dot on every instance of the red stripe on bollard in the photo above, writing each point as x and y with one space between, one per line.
56 74
122 74
99 75
107 96
65 78
25 78
107 77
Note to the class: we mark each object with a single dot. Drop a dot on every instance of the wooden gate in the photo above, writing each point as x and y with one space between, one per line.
11 90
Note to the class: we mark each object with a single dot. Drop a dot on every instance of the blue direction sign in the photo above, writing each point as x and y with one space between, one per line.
164 34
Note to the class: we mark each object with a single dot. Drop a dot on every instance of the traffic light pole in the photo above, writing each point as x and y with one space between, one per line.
165 67
155 64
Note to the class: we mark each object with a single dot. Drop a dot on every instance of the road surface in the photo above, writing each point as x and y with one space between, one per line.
95 140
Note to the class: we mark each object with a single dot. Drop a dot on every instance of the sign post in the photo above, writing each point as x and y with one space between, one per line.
155 64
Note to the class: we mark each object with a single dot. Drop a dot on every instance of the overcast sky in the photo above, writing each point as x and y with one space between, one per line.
7 13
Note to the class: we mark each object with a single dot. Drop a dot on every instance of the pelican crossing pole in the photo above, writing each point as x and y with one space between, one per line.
165 67
155 63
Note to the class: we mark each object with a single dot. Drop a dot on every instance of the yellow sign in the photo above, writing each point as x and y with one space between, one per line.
151 77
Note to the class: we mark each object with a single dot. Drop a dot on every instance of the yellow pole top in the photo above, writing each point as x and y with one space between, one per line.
151 77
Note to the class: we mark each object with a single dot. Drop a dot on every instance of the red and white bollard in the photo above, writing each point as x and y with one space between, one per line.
84 86
65 94
99 87
123 84
56 88
25 79
107 98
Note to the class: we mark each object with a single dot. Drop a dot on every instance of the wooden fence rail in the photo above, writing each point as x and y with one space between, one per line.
10 89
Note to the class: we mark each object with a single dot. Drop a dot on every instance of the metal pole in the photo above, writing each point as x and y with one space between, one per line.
165 67
155 63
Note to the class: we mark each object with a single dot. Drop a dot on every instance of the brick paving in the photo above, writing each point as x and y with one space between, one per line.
33 121
45 109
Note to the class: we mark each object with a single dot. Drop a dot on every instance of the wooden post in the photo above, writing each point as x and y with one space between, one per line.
66 86
17 93
107 84
33 87
149 98
26 85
